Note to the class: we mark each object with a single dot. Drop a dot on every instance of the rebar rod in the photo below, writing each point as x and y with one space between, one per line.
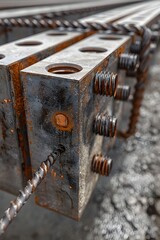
31 186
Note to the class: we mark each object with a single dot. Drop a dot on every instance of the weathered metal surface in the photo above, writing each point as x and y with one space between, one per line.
14 154
61 107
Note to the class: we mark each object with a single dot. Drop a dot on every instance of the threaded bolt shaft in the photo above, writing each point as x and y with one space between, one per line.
105 83
122 93
32 184
136 47
101 165
105 125
128 61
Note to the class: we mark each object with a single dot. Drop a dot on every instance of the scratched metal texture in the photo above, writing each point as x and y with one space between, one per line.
14 154
68 186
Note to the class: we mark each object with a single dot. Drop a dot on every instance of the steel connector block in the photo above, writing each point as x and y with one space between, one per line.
61 106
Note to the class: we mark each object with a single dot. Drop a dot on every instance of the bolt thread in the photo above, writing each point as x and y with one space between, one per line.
128 61
122 93
136 47
105 83
105 125
101 165
32 184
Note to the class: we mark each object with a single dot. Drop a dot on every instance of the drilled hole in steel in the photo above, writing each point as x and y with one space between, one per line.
110 38
56 34
93 50
64 68
29 43
2 56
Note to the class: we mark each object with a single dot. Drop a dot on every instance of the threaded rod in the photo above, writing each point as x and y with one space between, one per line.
31 186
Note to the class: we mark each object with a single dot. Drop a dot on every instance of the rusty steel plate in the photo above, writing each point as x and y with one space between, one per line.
60 108
14 154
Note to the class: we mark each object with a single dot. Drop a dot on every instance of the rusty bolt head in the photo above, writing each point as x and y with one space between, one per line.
61 120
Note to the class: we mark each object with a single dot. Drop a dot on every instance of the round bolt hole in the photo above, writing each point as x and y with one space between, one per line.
93 50
29 43
56 34
64 68
2 56
110 38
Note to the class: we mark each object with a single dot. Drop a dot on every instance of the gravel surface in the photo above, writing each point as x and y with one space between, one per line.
124 206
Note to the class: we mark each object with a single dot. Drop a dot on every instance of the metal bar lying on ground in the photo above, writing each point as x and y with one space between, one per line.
80 23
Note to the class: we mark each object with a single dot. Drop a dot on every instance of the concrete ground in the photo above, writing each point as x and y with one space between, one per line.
124 206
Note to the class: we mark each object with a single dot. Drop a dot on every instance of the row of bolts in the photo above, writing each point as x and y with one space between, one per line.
106 84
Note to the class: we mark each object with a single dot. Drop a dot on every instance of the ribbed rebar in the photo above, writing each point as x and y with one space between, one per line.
141 82
76 24
32 184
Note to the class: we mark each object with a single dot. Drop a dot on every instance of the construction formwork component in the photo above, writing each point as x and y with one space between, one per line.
61 107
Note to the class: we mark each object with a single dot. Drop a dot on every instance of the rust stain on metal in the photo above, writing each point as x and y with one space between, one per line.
19 108
120 50
53 173
62 121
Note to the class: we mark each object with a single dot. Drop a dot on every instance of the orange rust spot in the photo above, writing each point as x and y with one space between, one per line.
53 173
62 176
62 121
19 107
